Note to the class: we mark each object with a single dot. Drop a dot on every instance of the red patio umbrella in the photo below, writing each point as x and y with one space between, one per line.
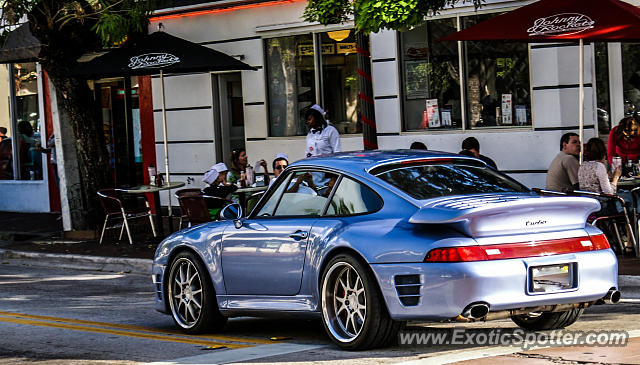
558 21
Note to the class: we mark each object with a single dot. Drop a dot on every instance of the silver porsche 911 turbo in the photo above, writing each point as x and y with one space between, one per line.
368 240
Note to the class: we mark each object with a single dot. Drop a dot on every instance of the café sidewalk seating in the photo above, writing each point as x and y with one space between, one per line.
603 222
116 207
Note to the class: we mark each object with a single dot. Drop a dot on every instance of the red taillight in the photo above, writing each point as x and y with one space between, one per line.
600 242
517 250
456 254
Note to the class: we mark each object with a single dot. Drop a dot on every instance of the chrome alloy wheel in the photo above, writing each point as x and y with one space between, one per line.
344 302
185 293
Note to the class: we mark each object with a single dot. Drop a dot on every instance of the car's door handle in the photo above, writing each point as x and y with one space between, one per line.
299 235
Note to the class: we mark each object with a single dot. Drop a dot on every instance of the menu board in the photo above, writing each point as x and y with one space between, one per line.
521 115
507 113
446 117
433 113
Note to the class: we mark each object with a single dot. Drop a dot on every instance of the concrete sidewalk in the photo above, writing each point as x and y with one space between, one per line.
85 262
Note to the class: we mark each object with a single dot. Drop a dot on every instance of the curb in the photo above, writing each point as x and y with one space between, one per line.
84 262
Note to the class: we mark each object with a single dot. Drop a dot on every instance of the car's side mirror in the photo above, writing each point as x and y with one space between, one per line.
232 212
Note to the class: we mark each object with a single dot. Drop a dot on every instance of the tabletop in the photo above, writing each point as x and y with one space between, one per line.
251 189
151 188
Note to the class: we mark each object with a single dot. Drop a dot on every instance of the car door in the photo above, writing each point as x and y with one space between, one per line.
266 255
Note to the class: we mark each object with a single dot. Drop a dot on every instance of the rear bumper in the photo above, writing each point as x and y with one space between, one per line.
447 288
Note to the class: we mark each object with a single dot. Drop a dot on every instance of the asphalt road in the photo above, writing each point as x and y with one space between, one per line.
61 316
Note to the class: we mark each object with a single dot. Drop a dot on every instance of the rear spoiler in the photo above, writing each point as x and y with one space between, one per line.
490 216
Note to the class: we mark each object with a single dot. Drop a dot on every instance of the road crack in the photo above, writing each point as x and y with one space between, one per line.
561 360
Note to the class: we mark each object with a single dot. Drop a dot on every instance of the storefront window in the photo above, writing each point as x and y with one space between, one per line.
431 77
631 78
497 79
602 88
291 80
6 130
19 155
340 80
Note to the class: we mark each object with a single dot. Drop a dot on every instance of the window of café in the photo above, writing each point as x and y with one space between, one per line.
495 79
298 66
20 116
631 78
603 98
431 77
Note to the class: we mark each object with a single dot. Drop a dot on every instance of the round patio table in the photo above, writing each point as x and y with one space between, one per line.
155 190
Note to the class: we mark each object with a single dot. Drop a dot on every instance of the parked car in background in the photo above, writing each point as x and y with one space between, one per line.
368 240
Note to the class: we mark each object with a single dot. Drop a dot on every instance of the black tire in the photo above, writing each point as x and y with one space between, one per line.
357 318
191 297
547 320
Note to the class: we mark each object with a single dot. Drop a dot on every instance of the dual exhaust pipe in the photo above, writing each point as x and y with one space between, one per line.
480 311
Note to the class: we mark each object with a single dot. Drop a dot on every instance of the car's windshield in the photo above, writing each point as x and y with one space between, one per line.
433 179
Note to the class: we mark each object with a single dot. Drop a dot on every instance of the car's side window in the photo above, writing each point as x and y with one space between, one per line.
351 197
306 194
270 205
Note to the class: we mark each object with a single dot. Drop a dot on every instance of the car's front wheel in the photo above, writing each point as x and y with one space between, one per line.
547 320
191 296
353 310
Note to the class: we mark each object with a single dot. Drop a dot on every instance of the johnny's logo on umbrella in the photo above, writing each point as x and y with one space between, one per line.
561 24
152 60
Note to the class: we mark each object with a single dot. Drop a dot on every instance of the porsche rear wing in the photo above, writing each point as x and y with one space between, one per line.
496 215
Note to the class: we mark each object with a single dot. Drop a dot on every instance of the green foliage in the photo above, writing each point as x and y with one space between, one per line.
328 11
373 15
110 20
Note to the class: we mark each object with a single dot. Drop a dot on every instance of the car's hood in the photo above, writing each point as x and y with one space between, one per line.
503 214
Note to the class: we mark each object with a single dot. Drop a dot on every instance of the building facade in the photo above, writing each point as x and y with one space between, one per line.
516 99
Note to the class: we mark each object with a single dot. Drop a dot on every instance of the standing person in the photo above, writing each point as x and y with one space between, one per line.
51 149
472 145
3 133
279 164
563 171
322 138
624 141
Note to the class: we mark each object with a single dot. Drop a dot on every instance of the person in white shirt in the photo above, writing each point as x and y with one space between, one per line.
322 138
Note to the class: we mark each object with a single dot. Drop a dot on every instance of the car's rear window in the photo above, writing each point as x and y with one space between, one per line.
427 180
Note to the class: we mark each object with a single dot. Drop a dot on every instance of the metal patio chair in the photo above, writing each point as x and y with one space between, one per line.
115 207
614 219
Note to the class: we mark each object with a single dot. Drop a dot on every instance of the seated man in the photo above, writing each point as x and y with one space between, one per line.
563 171
471 147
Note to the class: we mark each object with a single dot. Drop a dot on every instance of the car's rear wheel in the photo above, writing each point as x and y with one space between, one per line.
353 311
191 296
547 320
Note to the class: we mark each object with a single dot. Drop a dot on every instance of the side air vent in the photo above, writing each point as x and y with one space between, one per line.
408 289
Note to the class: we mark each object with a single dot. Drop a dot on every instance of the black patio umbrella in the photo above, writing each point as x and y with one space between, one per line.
159 53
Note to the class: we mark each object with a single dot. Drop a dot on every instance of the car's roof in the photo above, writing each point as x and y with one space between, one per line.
357 162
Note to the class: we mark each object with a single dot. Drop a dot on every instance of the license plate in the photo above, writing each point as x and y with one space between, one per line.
550 278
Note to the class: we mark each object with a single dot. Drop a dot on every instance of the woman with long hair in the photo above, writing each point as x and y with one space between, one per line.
592 174
241 171
624 140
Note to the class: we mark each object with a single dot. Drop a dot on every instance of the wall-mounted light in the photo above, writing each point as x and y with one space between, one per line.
339 35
